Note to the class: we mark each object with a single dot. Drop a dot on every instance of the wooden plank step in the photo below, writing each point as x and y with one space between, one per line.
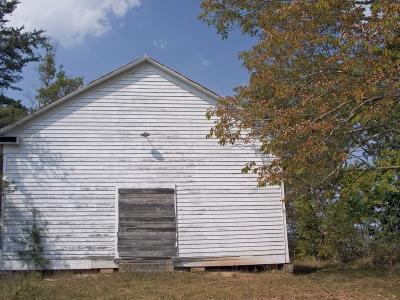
147 265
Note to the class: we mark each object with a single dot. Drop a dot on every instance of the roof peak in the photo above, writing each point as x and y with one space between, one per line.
106 77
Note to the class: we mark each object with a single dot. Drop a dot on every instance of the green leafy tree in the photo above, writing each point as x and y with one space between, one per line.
374 196
17 49
358 217
11 111
55 84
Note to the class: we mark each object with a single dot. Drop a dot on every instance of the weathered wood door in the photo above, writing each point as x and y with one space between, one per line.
147 225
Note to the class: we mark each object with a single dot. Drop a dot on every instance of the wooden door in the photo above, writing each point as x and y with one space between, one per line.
147 224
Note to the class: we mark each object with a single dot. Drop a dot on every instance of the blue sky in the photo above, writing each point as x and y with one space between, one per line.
115 32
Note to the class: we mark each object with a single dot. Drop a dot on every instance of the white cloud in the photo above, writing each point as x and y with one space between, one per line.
70 21
160 44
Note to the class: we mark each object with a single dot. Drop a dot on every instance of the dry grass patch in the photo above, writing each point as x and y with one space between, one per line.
311 283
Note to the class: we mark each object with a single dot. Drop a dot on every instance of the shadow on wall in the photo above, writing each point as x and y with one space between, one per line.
25 228
157 155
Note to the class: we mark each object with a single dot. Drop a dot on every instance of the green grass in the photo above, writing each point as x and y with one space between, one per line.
311 282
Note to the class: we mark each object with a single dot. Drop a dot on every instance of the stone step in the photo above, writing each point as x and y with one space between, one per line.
165 265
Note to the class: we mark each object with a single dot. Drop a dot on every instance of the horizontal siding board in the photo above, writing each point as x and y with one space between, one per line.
150 172
228 157
30 204
57 229
260 246
223 228
225 253
116 141
63 254
197 180
233 239
246 243
52 150
93 162
68 158
135 168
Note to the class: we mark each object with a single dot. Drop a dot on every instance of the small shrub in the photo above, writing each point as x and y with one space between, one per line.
386 250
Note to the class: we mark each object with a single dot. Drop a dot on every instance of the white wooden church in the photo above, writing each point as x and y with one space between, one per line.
121 170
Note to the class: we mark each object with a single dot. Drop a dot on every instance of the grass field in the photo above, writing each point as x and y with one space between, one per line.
327 282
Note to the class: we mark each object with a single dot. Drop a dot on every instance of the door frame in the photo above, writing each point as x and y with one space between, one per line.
141 185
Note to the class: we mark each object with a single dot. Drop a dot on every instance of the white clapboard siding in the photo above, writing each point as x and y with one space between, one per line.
71 161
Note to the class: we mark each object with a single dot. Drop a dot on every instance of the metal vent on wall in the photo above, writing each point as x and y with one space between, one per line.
9 140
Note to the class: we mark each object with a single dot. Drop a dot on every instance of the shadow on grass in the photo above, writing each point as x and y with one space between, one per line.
305 269
354 269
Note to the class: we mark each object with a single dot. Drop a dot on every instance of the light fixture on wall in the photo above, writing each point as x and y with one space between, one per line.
145 134
157 155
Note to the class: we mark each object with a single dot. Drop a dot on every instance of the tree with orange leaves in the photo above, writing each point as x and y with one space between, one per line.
324 98
323 94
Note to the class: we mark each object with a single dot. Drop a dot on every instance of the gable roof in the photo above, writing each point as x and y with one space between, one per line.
106 77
